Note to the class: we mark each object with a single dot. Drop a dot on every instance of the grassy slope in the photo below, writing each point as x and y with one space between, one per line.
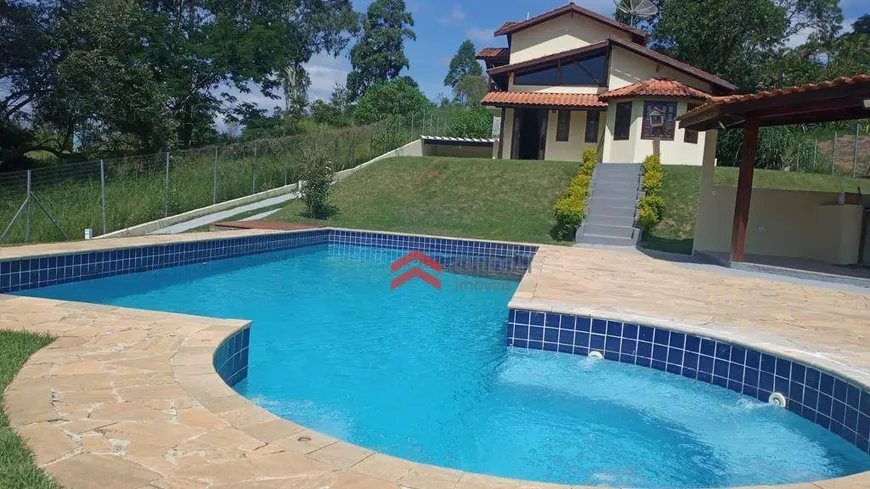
680 191
475 198
17 468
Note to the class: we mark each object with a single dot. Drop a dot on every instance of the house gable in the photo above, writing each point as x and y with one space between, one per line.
563 33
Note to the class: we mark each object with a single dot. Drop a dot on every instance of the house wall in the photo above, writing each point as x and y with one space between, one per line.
627 68
572 149
559 34
458 150
635 149
507 134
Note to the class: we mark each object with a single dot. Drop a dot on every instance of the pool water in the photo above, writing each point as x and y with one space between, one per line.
425 375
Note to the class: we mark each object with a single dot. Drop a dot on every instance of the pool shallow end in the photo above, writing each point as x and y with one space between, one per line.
189 426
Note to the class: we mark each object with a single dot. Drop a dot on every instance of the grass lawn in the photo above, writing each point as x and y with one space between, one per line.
17 468
462 197
676 231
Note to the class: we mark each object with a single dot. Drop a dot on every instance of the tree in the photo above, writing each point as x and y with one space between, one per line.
379 54
337 112
462 64
862 25
295 81
470 89
399 98
473 122
737 39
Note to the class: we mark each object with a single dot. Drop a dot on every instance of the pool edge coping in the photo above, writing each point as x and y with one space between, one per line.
208 387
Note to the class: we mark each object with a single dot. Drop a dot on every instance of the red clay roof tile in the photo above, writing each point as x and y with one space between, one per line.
540 99
656 87
778 92
494 54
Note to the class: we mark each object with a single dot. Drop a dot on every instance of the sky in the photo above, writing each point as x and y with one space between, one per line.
442 25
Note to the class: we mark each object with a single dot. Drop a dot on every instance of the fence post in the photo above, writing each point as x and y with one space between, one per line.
27 212
214 177
166 196
834 153
855 155
103 193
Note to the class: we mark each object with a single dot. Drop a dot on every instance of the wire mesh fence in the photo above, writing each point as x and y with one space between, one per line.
59 202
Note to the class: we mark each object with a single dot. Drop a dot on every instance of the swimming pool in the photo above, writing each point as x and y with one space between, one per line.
425 374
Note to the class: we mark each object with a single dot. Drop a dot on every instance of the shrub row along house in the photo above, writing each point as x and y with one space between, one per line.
571 79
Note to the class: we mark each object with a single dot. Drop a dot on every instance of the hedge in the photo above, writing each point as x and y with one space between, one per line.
569 210
651 206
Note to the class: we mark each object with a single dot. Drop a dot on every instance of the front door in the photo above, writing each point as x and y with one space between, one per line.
529 134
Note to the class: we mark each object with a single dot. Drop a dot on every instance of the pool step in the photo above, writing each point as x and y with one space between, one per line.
612 205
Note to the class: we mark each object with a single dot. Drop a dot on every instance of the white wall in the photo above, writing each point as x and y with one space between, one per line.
635 149
627 68
572 149
560 34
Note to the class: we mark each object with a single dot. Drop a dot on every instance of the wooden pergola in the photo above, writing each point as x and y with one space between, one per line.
841 99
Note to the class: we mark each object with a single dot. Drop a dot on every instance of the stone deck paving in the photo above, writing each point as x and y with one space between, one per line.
129 399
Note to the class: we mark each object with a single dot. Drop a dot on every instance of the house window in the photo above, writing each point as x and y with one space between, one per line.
691 135
592 119
564 125
548 76
666 112
584 72
622 129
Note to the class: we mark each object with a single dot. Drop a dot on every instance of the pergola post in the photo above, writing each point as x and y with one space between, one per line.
744 189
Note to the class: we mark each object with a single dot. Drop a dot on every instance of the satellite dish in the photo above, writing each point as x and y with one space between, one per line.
637 9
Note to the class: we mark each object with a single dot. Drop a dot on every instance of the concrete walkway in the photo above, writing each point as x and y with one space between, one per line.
227 214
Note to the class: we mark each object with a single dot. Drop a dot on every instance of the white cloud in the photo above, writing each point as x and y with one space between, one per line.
480 35
454 17
325 71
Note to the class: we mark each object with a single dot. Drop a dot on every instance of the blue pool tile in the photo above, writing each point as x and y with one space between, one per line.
643 362
599 326
551 335
614 328
720 381
678 340
705 365
796 391
566 348
627 358
596 342
810 397
768 363
523 317
852 396
723 350
765 381
674 369
798 372
551 346
611 355
552 320
566 337
629 331
675 356
708 347
750 391
660 353
738 355
611 344
720 368
840 389
783 368
780 385
705 377
628 346
838 411
690 360
521 331
518 343
581 339
535 345
693 343
824 404
812 378
735 373
645 333
863 426
537 318
536 333
568 322
661 336
658 365
582 324
826 384
644 349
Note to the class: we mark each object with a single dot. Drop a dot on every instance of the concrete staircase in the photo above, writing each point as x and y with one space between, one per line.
611 207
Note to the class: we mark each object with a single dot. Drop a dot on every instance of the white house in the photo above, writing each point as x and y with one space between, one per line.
571 78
